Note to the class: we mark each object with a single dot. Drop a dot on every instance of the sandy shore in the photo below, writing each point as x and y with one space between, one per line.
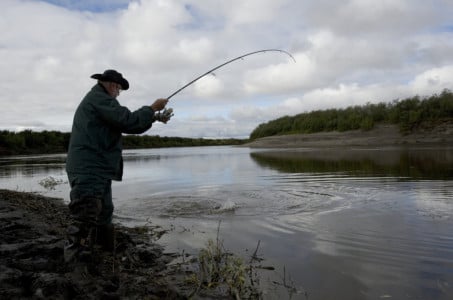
380 136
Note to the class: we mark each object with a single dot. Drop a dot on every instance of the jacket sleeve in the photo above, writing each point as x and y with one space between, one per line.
121 118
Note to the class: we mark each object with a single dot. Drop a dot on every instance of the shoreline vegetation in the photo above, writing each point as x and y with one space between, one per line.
410 122
29 142
410 115
413 120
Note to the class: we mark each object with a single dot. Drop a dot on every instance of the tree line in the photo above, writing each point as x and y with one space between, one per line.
408 114
33 142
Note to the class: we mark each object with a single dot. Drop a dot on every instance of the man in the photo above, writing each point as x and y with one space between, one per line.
95 159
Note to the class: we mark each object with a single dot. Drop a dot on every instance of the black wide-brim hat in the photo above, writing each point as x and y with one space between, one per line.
112 76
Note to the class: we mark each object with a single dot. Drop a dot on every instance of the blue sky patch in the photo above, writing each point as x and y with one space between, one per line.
97 6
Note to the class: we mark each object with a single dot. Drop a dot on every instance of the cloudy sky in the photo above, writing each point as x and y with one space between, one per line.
348 52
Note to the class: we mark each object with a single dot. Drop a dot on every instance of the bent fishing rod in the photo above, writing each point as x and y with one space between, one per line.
230 61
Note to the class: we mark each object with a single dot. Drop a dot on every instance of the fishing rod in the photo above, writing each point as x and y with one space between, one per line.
230 61
167 113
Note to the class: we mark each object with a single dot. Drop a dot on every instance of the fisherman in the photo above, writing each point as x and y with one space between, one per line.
95 159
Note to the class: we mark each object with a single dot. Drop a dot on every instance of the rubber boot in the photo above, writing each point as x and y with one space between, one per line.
106 237
77 247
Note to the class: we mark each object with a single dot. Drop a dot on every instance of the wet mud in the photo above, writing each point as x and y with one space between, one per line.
32 266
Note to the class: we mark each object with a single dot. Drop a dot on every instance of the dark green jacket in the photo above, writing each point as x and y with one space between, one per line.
95 145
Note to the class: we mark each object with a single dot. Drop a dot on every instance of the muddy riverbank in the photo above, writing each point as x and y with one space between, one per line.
381 135
32 264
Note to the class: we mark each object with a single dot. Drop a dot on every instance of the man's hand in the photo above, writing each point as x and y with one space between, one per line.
159 104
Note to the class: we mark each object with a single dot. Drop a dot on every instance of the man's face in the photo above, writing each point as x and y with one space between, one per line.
114 89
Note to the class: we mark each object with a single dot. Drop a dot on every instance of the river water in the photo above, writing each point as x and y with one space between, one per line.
335 224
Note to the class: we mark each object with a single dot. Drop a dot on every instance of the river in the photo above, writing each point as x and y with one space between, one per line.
335 224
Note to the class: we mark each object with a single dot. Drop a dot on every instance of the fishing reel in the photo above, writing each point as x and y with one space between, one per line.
164 115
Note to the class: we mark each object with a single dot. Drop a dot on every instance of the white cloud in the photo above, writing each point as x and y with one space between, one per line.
348 53
252 11
432 81
208 86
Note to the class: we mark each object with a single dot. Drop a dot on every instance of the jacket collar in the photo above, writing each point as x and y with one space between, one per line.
100 86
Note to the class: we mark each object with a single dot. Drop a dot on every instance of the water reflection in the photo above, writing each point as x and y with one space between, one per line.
405 163
29 166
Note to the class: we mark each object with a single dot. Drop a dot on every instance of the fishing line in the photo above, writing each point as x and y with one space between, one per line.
230 61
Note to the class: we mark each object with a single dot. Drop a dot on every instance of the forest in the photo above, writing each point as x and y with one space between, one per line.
33 142
407 113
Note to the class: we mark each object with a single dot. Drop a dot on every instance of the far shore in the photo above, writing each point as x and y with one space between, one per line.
380 136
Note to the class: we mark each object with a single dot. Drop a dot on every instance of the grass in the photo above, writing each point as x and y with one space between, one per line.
219 273
220 270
